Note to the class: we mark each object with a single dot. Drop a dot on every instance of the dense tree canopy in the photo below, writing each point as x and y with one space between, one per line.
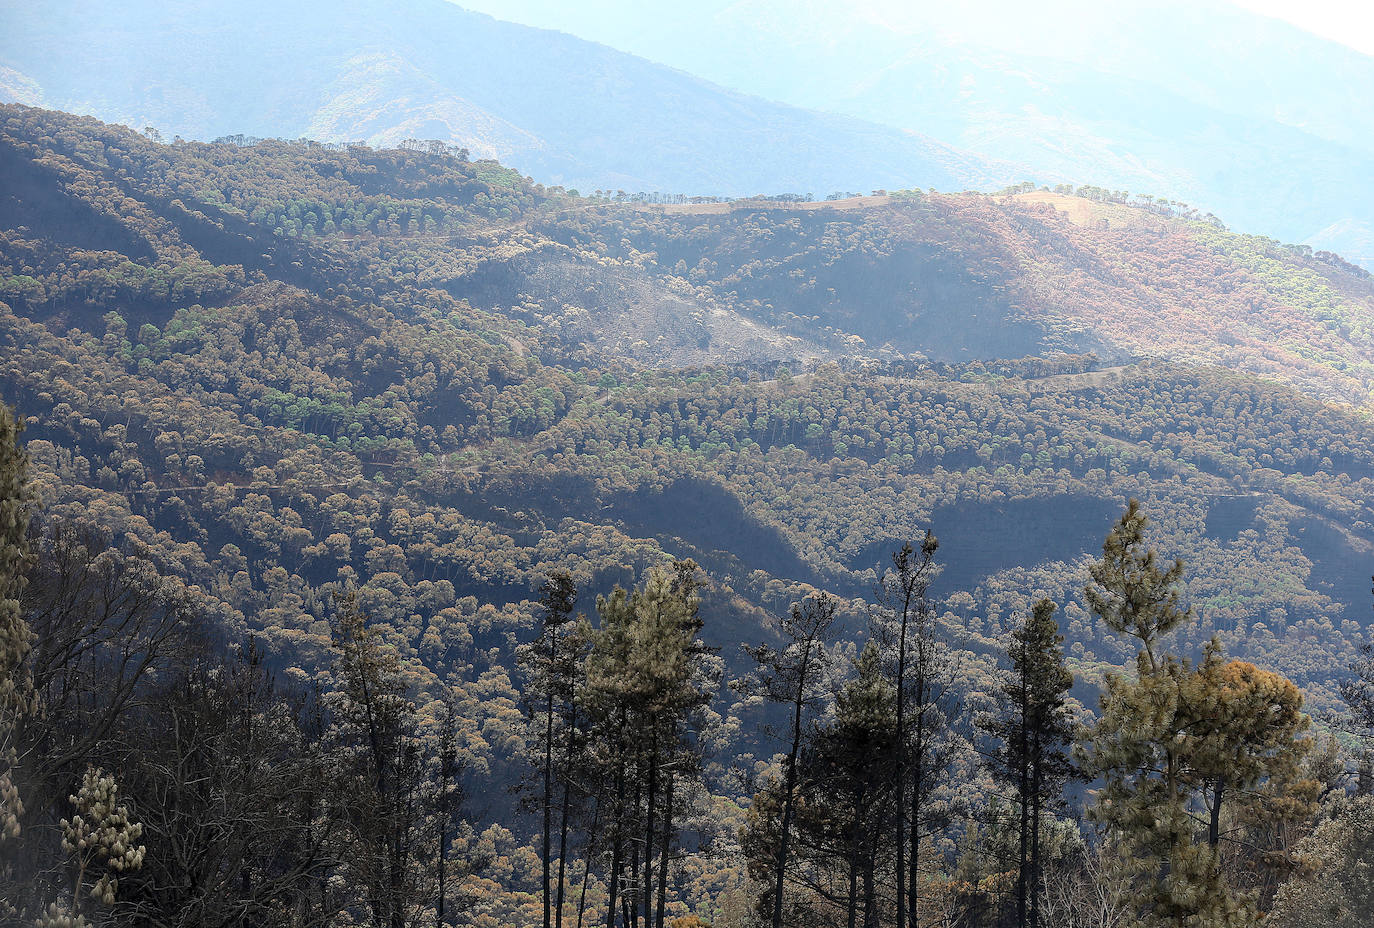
271 388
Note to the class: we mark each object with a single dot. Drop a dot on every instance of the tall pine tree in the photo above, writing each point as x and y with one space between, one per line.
645 688
551 664
1173 743
923 670
848 787
1143 799
1034 734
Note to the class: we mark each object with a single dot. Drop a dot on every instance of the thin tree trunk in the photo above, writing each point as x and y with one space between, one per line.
563 817
854 832
870 894
1023 787
918 774
592 837
899 775
443 834
1214 826
400 862
790 786
1037 881
616 842
665 848
548 790
651 795
630 895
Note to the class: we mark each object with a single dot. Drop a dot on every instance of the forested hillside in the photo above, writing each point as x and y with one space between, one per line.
303 384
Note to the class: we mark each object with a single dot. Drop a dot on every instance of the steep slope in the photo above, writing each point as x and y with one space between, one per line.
950 278
564 110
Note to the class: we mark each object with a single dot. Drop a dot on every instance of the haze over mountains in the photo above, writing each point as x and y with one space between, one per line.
1190 102
564 110
1252 118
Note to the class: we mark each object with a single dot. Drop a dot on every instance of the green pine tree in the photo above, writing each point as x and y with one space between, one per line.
1144 800
850 780
1174 742
1034 734
645 689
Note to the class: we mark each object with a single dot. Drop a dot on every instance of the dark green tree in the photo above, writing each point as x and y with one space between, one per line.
850 780
645 687
1174 742
1143 799
1131 593
1034 736
844 807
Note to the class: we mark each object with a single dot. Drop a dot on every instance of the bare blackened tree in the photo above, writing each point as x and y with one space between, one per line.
105 623
234 799
105 627
376 742
552 663
16 689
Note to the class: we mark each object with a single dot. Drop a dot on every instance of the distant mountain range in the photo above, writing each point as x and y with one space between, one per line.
563 110
1349 237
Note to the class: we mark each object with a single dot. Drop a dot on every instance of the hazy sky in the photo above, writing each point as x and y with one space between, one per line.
1348 21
